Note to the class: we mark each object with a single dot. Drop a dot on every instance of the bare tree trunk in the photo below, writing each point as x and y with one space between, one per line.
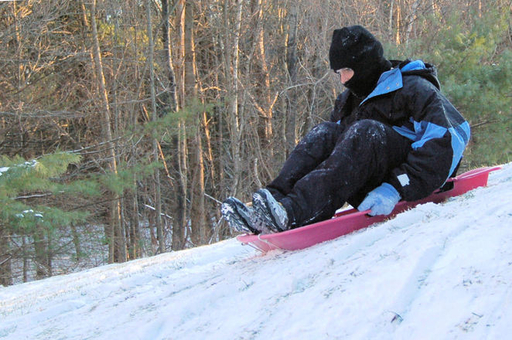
232 61
390 18
291 65
154 117
410 24
266 108
197 209
117 249
179 62
208 142
49 253
134 234
180 141
398 25
170 99
5 257
180 233
76 242
134 248
25 258
197 198
40 253
219 126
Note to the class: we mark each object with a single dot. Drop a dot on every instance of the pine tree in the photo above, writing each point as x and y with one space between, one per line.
33 200
478 80
474 61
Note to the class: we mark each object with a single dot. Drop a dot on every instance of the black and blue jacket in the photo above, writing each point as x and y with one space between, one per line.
408 99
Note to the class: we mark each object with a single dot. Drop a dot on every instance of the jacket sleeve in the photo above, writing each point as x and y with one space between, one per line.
439 135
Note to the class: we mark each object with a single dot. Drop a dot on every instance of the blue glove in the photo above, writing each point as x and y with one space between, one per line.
380 200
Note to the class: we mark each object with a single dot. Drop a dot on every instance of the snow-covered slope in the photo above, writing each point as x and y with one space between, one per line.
435 272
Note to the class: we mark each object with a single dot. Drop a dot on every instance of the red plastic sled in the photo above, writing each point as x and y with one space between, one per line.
351 220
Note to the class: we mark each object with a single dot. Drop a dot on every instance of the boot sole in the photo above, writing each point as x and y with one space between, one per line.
235 217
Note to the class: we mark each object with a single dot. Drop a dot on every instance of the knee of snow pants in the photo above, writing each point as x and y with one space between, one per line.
309 153
362 157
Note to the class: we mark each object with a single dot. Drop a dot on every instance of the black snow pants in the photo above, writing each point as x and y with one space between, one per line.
330 167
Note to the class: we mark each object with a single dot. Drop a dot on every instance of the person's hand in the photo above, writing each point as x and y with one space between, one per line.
380 200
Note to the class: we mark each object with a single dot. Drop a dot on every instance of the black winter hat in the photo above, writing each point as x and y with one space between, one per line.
356 48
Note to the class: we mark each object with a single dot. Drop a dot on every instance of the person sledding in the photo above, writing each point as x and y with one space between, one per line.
392 136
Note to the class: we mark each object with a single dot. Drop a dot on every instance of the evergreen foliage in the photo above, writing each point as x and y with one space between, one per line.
476 78
479 81
32 196
20 179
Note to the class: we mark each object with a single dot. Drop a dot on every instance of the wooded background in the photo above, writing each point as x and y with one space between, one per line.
126 123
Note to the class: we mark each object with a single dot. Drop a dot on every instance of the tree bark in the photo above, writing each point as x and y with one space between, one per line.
117 249
154 117
180 230
5 257
232 63
410 23
197 197
41 255
134 247
291 66
170 100
76 243
179 142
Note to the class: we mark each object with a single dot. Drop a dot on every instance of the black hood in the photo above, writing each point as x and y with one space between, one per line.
356 48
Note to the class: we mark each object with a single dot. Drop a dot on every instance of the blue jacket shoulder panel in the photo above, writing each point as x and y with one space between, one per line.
392 80
388 82
414 66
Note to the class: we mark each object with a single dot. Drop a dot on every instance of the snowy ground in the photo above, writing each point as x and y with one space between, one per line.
435 272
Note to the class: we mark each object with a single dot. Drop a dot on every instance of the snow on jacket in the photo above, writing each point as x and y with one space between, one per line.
408 98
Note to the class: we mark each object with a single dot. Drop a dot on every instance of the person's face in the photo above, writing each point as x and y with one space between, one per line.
345 74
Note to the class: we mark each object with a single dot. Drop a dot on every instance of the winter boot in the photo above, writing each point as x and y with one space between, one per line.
270 210
242 218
